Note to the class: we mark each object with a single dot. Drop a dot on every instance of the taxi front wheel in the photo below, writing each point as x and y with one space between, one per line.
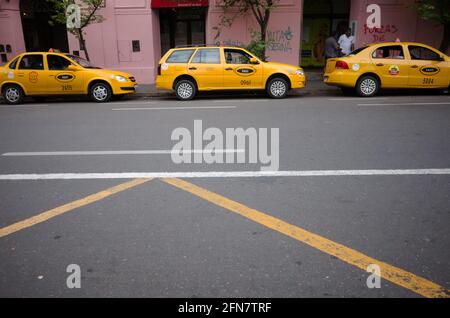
100 93
13 94
367 86
185 90
277 88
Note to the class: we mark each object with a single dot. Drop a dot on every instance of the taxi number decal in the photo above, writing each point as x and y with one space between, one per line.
66 87
428 81
244 82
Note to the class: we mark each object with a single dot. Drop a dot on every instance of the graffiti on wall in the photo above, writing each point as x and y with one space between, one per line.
280 40
382 33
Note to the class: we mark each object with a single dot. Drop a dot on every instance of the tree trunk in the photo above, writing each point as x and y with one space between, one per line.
446 39
83 43
263 29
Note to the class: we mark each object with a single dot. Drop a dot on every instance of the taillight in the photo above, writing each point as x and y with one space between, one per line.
159 69
341 65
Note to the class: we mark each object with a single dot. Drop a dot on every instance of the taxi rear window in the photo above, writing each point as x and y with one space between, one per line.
181 56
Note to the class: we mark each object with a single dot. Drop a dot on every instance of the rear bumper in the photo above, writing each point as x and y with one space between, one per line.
342 78
163 83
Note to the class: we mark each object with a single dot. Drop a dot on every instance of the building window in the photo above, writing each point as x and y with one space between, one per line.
136 46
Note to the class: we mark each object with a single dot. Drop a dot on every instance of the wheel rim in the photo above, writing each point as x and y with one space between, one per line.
368 86
100 93
278 88
185 90
12 94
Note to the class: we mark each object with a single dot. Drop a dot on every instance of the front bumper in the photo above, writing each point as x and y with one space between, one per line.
297 81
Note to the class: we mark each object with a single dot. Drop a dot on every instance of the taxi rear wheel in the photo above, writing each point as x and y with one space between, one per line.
367 86
13 94
277 88
185 90
100 93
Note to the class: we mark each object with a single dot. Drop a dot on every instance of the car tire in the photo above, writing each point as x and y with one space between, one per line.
348 91
277 88
100 93
13 94
185 90
367 86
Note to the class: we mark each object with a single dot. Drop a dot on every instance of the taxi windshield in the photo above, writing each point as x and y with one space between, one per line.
81 61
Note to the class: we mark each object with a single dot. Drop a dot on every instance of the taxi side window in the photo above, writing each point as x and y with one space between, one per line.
208 56
13 64
422 53
32 62
181 56
57 63
389 52
236 57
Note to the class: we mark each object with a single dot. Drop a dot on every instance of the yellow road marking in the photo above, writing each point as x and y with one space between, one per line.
391 273
44 216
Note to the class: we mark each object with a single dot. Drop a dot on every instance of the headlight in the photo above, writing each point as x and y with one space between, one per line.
120 78
299 72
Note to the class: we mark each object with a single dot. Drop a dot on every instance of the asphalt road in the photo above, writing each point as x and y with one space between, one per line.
308 230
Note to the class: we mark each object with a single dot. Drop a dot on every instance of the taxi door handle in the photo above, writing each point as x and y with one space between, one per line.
414 66
380 64
228 69
192 68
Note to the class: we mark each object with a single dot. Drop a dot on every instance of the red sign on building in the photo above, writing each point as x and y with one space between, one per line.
156 4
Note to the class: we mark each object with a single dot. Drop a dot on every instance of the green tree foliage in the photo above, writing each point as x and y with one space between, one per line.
437 11
89 14
260 9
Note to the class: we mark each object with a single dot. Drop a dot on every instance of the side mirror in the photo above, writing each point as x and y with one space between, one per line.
254 60
73 68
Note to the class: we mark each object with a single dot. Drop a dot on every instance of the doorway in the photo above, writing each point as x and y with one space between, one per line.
320 19
39 35
182 27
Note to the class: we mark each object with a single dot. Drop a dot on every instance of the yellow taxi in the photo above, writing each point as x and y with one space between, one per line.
390 65
39 74
207 68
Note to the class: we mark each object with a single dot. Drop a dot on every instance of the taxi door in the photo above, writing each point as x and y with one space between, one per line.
207 69
31 73
61 80
391 65
427 68
239 72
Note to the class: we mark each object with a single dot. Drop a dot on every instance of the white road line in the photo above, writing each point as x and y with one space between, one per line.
356 98
115 152
176 107
407 104
224 174
241 100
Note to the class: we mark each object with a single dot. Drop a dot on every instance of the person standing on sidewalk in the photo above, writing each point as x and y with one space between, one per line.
331 47
347 42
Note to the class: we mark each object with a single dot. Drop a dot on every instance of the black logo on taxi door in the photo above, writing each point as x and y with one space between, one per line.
64 78
430 70
245 70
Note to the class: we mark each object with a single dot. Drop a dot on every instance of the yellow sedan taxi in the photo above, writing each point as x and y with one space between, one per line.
42 74
392 65
190 70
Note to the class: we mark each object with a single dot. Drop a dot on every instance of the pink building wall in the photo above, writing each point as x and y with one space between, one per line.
398 20
110 43
11 27
284 30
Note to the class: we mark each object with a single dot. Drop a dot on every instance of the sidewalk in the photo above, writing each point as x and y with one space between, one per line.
314 86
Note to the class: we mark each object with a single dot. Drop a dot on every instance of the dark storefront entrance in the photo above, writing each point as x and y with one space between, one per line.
39 35
182 22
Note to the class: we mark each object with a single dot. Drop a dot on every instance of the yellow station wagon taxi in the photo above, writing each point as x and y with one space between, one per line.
389 65
192 69
40 74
